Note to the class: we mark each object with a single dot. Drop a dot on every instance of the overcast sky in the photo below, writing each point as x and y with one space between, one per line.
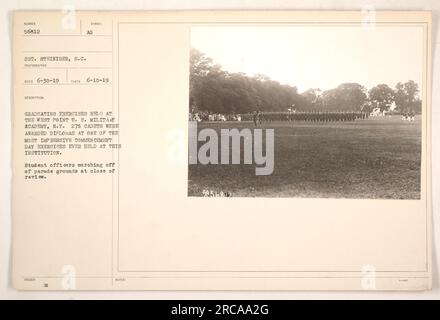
317 56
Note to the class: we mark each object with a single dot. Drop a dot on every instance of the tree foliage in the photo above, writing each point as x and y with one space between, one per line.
215 90
218 91
406 97
346 97
381 96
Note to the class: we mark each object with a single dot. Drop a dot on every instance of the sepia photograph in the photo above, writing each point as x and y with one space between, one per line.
306 111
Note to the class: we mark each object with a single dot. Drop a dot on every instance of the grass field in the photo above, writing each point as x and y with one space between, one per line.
373 158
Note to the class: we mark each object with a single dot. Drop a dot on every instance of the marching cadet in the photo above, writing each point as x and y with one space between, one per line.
259 117
255 118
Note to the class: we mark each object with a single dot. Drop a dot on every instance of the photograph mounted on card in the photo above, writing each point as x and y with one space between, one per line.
222 150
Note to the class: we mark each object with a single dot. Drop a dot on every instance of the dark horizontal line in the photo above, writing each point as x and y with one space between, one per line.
263 271
190 277
55 51
30 67
68 84
65 35
359 23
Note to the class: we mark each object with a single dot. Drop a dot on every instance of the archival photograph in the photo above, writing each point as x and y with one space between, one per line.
305 111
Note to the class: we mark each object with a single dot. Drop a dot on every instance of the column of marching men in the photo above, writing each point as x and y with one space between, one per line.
306 116
281 116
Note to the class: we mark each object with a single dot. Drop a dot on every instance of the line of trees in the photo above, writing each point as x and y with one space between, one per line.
217 91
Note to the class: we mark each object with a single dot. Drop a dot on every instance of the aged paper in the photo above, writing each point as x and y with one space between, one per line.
225 150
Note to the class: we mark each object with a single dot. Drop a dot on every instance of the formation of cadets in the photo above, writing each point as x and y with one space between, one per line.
258 117
408 116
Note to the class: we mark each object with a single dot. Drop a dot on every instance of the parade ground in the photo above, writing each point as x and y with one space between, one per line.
374 158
